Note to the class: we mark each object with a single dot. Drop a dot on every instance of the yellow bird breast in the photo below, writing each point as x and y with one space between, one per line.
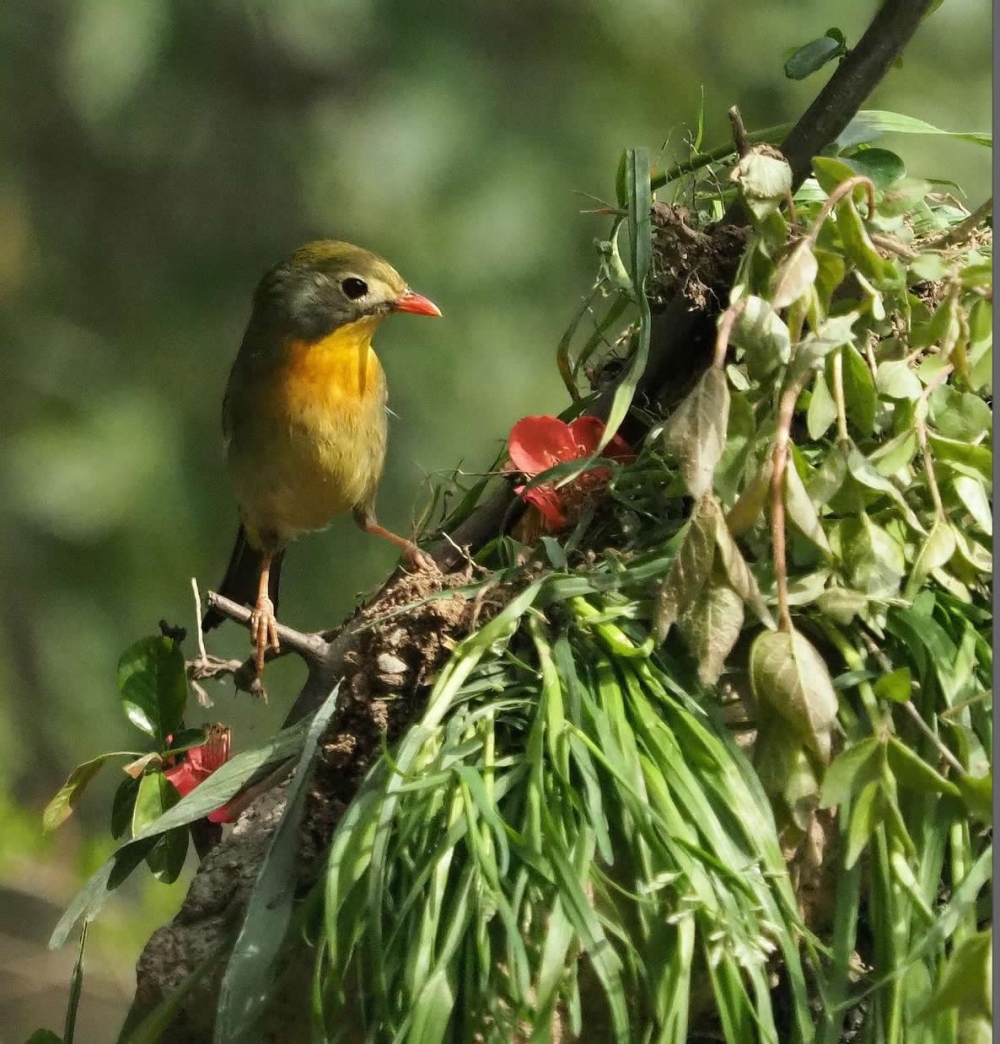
312 445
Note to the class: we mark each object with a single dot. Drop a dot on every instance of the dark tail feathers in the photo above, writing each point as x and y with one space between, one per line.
242 575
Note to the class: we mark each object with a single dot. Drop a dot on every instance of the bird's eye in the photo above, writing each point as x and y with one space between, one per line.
354 287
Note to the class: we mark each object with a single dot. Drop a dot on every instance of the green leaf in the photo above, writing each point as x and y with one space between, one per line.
153 686
763 336
710 627
883 167
977 793
738 572
765 180
788 674
857 243
802 511
75 991
937 549
896 685
123 805
166 858
929 267
811 57
252 965
860 397
155 796
895 379
696 432
794 276
978 458
640 204
60 808
912 772
866 813
972 494
959 415
841 604
44 1036
822 410
870 124
967 980
690 569
214 792
894 455
874 560
831 172
845 771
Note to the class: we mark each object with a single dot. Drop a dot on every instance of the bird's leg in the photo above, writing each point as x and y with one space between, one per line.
415 558
263 625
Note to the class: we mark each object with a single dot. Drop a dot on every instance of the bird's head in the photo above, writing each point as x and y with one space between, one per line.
328 284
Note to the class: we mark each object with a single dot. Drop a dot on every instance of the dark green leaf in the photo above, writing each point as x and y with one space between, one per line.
153 686
813 56
44 1036
122 806
883 167
860 398
252 965
166 858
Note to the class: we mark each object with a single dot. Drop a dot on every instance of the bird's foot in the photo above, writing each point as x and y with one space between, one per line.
263 631
418 560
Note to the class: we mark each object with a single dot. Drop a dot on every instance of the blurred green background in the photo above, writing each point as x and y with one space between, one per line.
155 159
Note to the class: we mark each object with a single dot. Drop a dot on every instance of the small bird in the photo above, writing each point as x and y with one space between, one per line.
304 415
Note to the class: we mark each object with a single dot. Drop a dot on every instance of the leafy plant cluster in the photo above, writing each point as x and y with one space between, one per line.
570 841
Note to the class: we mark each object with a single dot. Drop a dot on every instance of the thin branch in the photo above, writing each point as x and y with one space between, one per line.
960 233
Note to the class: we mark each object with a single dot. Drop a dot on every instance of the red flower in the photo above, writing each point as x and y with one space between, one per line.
198 763
536 444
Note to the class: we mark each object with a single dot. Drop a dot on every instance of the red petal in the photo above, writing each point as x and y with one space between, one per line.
536 444
183 777
587 432
546 499
222 815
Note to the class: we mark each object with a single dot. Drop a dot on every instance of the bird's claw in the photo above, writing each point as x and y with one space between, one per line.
419 560
263 631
